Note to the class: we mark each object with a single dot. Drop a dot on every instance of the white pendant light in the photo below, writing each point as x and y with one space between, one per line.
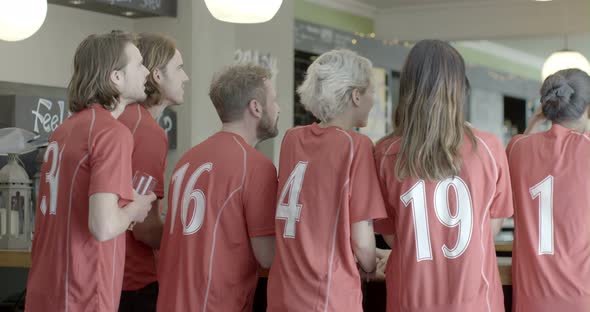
243 11
564 59
20 19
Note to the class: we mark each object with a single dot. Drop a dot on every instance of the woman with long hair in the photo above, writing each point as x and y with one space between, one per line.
443 181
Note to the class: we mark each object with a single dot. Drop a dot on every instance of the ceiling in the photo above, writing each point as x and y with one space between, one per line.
389 4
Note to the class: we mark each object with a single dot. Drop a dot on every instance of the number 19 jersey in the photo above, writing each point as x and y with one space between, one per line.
443 256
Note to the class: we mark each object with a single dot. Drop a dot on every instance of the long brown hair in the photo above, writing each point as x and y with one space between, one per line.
95 59
430 118
157 50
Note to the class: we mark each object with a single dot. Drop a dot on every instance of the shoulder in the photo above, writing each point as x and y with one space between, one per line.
387 146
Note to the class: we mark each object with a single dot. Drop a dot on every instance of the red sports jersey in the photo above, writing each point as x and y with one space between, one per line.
149 155
327 182
551 259
72 271
221 194
443 258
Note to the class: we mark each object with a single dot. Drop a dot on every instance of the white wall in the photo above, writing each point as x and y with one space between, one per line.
46 57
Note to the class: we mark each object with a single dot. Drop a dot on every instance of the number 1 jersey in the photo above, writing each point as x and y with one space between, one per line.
551 183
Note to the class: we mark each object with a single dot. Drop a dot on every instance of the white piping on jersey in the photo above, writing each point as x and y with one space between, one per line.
335 230
138 119
516 142
90 131
217 223
383 159
483 220
68 227
70 209
583 134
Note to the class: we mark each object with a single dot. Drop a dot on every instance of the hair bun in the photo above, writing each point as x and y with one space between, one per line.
561 93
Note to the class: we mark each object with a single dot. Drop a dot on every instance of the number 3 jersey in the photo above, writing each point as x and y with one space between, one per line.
222 193
443 256
72 271
551 183
327 181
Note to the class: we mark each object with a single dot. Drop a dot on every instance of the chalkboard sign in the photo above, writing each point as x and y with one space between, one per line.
155 7
128 8
43 114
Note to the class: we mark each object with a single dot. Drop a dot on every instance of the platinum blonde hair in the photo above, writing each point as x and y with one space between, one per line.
330 81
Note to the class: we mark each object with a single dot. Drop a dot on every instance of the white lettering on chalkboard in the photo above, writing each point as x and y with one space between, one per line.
45 119
265 60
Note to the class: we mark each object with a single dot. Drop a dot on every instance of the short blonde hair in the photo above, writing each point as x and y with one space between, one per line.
327 89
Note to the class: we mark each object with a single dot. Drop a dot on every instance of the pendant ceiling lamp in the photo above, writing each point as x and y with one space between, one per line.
20 19
243 11
565 59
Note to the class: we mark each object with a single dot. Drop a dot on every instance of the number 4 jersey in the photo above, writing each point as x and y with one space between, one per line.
327 181
443 258
222 193
551 182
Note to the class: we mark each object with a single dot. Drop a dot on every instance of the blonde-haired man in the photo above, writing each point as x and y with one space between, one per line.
78 250
164 87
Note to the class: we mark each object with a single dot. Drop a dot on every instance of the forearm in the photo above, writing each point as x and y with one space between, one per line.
106 220
363 245
150 230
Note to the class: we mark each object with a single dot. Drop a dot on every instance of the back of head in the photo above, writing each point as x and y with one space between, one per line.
95 59
233 88
429 117
330 81
565 95
157 50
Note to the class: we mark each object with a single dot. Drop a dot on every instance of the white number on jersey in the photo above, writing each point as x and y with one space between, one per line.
291 212
52 177
544 190
416 196
189 194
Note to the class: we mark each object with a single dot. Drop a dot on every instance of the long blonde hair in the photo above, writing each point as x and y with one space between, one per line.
430 115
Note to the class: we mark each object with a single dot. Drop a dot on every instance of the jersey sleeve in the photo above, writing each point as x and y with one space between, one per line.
384 226
502 205
366 200
110 163
149 156
259 197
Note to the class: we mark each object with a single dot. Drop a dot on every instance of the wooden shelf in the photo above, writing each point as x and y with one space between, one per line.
15 258
22 259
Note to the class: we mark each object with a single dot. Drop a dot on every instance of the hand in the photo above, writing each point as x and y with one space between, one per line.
381 267
143 205
537 119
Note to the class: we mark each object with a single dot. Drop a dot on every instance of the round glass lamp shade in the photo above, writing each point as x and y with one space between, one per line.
243 11
564 60
20 19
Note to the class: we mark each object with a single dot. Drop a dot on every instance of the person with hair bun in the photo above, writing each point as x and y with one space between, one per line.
550 182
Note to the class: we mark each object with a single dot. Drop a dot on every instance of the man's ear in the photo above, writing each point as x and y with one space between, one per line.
255 108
